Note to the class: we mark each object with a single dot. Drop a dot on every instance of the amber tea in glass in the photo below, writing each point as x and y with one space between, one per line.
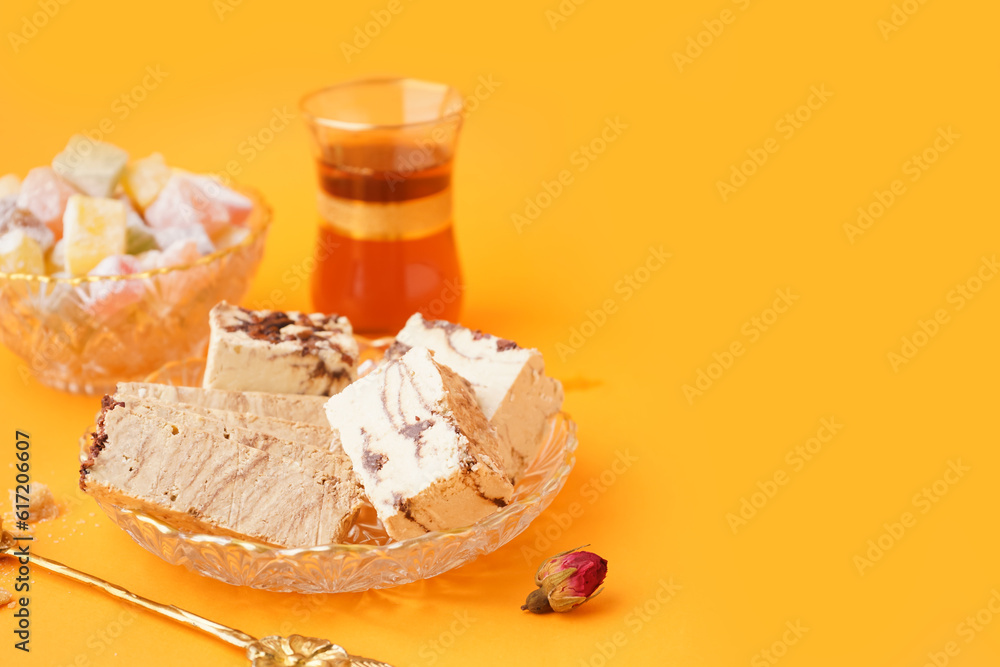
384 151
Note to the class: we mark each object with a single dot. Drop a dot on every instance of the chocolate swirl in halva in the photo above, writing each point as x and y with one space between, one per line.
509 382
424 451
279 352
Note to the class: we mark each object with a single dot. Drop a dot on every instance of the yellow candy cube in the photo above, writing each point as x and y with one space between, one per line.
9 185
94 167
19 253
93 228
143 179
55 258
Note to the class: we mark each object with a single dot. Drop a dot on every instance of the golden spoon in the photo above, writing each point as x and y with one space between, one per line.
273 651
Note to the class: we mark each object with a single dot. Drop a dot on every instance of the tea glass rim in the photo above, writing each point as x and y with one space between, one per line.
366 127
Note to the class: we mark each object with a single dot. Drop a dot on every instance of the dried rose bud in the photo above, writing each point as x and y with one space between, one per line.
567 580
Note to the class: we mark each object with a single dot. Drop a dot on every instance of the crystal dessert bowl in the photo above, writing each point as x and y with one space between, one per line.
368 559
84 334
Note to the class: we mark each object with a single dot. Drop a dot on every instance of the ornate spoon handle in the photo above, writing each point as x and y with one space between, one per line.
271 651
228 635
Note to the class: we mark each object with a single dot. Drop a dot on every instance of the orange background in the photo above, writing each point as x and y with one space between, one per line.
687 126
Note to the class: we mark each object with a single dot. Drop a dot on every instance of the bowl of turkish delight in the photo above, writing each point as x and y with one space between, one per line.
109 266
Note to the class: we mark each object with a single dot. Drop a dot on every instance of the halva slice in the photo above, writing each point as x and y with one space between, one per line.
304 409
425 453
274 351
198 481
509 382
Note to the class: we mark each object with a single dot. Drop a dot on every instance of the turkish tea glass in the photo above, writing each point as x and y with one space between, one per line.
384 150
